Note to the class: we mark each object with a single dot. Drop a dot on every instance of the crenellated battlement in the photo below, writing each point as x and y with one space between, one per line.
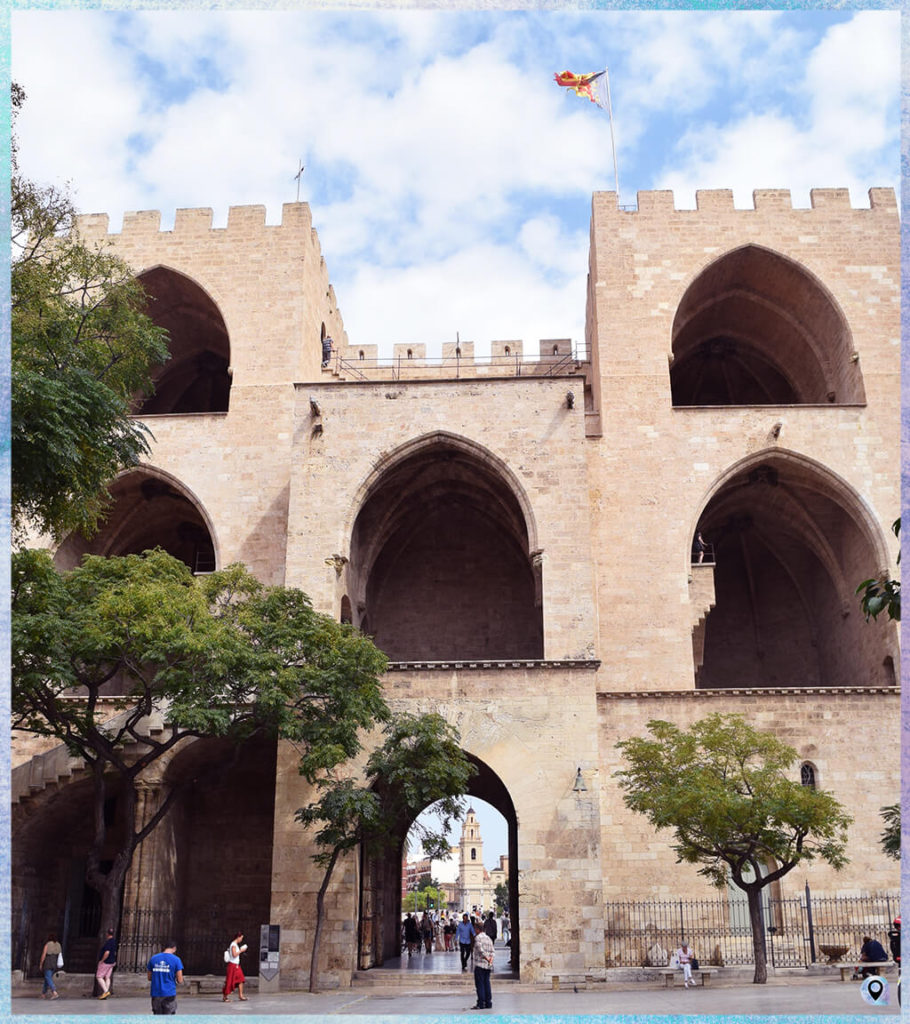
555 356
718 200
242 223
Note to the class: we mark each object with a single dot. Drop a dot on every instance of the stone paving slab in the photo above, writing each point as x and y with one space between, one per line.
810 1001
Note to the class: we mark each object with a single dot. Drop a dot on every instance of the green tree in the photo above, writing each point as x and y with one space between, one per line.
882 594
82 346
218 655
501 896
723 787
891 836
419 762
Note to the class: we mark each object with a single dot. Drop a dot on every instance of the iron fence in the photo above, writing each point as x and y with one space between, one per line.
798 931
200 941
642 933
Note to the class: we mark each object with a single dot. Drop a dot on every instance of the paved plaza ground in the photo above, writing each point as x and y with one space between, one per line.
433 988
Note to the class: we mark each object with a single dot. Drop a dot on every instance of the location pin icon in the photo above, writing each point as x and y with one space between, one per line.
875 989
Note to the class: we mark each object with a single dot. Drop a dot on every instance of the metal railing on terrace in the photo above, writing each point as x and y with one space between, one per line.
404 367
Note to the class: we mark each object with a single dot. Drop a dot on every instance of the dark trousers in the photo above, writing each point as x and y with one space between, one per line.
484 990
465 949
164 1004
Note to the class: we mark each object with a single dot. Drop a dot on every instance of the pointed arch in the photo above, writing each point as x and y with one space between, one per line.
197 376
150 508
755 327
791 541
442 538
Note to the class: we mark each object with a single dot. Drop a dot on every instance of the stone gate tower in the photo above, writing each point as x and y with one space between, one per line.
516 533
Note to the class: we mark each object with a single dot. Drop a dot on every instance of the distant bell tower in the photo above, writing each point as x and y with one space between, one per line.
470 863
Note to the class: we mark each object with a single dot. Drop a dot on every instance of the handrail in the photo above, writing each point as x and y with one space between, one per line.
507 365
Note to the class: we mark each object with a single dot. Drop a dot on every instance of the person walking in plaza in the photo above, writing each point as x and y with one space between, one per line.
684 957
464 933
482 960
426 930
50 953
107 961
490 928
235 977
506 934
165 973
411 935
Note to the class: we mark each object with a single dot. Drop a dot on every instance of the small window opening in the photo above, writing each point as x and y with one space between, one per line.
807 775
410 354
555 350
473 854
361 353
458 353
508 350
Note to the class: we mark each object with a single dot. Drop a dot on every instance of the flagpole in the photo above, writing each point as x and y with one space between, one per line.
612 140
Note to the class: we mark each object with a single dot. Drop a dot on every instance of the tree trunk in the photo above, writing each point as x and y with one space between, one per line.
320 910
756 920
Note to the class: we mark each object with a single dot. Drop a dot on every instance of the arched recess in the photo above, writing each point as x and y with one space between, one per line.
217 860
756 328
150 508
52 833
380 879
196 377
443 564
791 542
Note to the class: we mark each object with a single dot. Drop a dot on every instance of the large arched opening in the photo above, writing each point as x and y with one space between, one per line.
148 509
441 563
791 542
380 909
756 328
196 377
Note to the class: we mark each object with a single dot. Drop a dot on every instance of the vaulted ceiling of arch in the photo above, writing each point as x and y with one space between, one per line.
758 301
427 482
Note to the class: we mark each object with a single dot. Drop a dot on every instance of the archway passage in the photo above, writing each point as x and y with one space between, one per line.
196 378
756 328
791 544
440 561
380 893
147 511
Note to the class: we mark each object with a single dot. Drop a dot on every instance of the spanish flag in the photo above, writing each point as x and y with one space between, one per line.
591 85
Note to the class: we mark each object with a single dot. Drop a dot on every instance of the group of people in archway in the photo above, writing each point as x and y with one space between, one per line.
438 931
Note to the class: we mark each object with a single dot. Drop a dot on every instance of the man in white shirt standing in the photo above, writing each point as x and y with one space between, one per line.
482 959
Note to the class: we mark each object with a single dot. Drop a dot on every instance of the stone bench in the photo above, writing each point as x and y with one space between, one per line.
852 966
670 973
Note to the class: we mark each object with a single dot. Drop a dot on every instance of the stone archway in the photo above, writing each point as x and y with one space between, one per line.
379 912
791 543
442 565
756 328
196 377
149 509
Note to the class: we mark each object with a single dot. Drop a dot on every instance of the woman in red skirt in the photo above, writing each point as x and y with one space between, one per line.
235 977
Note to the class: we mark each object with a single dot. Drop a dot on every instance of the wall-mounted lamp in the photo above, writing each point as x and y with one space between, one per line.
570 399
579 786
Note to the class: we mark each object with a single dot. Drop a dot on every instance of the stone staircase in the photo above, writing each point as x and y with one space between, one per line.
57 766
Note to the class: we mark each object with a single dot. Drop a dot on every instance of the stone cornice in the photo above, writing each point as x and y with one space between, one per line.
474 664
770 691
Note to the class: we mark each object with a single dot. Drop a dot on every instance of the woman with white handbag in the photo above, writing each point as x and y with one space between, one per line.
51 961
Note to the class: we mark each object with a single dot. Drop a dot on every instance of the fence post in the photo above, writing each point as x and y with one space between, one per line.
682 926
811 926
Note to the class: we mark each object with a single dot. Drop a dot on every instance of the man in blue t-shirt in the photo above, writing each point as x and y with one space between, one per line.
464 933
165 972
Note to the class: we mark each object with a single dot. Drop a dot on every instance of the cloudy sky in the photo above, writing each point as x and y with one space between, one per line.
449 177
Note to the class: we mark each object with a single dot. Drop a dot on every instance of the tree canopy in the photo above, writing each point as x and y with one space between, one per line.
723 787
81 348
218 655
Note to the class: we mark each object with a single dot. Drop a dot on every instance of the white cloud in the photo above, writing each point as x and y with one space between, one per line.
450 179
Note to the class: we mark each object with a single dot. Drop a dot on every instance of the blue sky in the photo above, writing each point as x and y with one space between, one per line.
449 177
